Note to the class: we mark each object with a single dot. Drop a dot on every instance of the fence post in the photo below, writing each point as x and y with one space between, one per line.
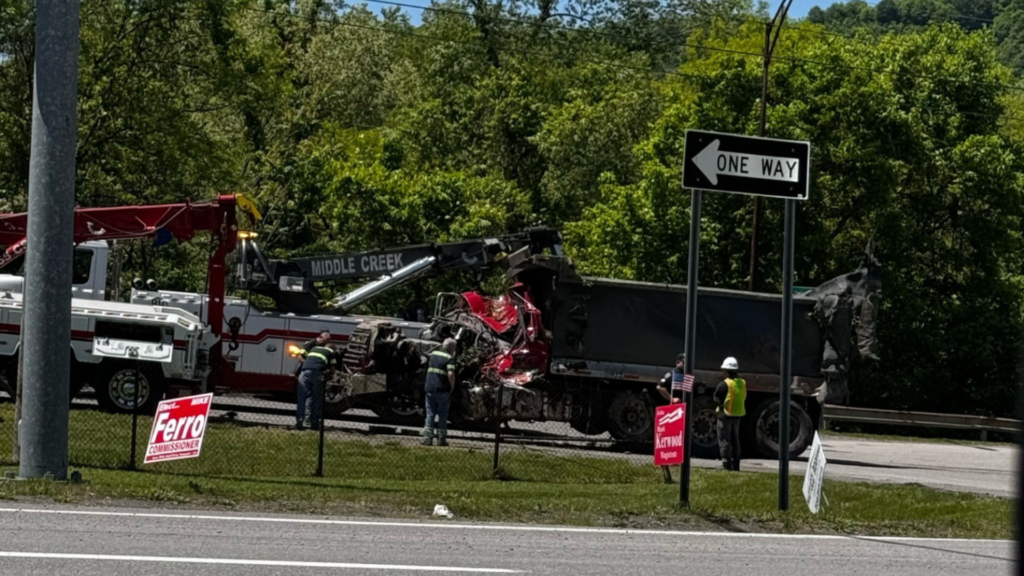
984 435
497 428
323 409
135 415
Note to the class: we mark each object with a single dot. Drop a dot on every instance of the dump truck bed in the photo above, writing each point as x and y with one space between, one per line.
642 323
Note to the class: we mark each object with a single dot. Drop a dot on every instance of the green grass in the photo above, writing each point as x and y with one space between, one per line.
271 469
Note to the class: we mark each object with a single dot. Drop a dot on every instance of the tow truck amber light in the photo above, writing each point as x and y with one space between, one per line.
245 235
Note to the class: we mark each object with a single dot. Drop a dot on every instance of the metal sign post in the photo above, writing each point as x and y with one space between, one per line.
719 162
691 339
1019 438
786 364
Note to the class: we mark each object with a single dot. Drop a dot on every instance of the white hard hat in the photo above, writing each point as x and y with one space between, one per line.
730 364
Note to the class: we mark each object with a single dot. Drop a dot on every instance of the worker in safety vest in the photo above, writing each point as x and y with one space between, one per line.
439 387
731 397
317 358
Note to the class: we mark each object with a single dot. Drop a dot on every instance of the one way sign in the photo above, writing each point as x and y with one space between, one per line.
747 165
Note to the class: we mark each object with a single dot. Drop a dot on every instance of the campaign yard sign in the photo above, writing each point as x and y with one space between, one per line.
669 432
178 428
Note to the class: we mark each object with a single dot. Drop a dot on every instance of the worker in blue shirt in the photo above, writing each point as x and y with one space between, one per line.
439 387
317 358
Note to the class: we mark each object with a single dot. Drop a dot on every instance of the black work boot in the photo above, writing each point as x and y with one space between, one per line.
735 465
727 465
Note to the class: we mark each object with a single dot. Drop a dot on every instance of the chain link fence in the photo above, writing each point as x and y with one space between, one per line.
257 437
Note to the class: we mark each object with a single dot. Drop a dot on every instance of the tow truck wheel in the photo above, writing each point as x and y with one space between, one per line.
458 414
115 385
766 429
631 417
335 408
704 427
336 403
401 415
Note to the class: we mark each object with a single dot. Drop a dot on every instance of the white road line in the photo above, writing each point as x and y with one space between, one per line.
246 562
499 527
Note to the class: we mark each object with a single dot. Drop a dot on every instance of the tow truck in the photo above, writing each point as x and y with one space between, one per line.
220 343
111 342
260 342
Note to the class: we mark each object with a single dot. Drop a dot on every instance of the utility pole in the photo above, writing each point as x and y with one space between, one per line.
775 25
46 322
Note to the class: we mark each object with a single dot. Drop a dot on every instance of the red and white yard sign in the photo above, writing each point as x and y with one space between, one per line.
178 428
669 431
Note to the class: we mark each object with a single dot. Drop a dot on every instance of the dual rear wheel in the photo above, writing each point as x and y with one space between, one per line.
630 418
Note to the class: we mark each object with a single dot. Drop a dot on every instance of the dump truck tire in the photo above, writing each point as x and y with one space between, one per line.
766 429
631 417
704 427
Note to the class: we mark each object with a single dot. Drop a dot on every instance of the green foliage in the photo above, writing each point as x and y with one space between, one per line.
904 14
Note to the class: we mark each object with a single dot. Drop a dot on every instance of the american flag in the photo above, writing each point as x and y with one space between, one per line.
686 384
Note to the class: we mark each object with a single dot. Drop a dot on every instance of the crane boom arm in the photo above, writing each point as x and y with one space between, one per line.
291 282
162 221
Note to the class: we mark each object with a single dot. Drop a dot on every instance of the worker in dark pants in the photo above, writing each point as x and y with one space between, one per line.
439 387
317 358
731 397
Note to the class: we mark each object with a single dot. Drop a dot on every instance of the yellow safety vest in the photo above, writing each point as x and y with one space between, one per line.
735 398
445 360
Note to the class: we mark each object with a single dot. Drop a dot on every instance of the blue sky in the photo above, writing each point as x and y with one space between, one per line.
799 9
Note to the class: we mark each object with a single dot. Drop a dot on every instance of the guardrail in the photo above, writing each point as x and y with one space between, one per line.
983 424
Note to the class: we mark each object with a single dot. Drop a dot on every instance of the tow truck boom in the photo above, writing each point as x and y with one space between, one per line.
291 282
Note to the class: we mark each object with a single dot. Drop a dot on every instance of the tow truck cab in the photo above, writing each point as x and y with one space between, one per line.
115 346
88 273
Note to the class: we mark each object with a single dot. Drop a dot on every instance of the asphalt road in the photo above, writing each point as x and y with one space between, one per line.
979 468
109 542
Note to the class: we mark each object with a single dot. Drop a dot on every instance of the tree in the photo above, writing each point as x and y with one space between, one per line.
907 150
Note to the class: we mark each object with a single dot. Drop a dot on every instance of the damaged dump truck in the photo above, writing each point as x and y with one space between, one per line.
589 352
